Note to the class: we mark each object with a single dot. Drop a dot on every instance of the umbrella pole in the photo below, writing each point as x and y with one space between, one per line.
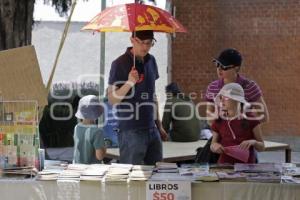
134 35
102 57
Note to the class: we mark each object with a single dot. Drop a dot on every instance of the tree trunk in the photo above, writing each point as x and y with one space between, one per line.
16 20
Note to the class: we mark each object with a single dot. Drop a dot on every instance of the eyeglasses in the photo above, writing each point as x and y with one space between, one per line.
146 43
223 67
224 98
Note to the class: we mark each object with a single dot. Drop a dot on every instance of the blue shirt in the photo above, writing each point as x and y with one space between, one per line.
139 102
87 138
110 128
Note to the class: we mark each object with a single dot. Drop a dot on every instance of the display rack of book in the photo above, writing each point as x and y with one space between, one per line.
19 138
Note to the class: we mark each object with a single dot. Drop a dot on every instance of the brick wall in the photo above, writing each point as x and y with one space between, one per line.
266 32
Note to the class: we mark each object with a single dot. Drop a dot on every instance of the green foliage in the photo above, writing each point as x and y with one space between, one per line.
61 6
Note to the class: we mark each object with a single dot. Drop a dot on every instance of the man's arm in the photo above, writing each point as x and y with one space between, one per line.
258 105
264 112
259 110
115 94
259 145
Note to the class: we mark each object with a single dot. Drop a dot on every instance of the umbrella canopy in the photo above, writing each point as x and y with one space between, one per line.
134 17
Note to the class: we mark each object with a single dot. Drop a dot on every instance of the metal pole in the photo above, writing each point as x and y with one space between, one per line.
169 8
102 65
102 56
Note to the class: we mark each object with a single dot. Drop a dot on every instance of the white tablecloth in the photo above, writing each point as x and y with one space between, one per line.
34 190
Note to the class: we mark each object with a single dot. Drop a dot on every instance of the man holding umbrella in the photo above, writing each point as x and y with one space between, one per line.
132 89
132 78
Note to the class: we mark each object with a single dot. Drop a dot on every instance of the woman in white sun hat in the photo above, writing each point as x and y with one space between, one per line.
234 126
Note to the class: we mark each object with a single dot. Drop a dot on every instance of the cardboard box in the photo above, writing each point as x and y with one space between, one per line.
21 77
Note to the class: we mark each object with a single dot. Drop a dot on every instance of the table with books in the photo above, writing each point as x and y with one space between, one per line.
119 181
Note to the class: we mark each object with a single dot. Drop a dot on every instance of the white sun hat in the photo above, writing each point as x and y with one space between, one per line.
233 91
89 108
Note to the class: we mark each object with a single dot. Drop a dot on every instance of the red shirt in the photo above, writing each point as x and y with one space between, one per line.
235 137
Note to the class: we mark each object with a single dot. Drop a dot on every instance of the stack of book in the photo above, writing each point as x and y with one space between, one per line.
169 177
164 167
198 172
69 175
118 172
264 177
73 172
202 173
260 172
206 177
53 168
193 169
167 172
55 164
48 175
290 169
232 176
291 173
94 172
141 172
258 168
19 172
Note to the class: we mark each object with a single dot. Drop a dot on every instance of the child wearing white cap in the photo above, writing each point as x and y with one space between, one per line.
235 127
88 138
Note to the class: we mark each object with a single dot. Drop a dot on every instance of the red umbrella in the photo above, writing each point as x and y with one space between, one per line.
134 17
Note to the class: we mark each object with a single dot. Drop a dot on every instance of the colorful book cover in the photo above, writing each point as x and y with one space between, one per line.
19 141
25 139
11 152
27 155
2 136
2 152
26 117
258 167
